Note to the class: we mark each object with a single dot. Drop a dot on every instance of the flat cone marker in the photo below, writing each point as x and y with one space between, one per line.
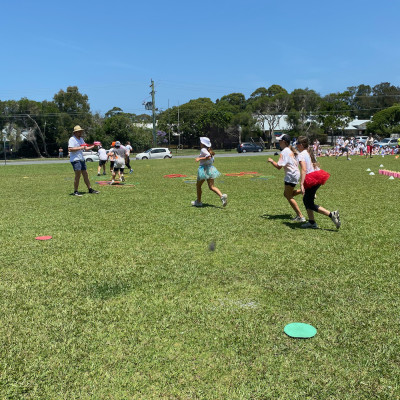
299 330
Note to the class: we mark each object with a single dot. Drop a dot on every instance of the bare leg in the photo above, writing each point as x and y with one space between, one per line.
86 179
199 191
324 211
289 196
76 181
213 188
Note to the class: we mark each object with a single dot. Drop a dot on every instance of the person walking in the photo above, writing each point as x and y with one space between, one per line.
60 152
370 144
127 160
288 162
103 157
76 144
118 152
207 172
311 179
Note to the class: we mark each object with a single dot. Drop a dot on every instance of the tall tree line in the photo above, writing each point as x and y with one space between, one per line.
39 128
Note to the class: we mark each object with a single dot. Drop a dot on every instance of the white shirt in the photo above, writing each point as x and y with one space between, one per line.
205 153
76 155
288 161
129 149
103 154
305 157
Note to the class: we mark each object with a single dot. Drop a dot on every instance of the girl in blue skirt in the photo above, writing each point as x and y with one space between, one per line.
207 172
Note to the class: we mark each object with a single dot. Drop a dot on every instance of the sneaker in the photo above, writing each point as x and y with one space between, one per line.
77 194
98 174
197 203
298 219
335 218
112 182
309 225
104 173
131 171
122 179
224 199
93 191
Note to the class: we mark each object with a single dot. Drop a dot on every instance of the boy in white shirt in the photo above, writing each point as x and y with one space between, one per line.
288 161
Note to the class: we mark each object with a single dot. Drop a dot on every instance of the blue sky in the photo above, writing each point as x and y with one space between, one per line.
111 50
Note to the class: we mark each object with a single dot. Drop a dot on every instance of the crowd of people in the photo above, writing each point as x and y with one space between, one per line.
350 147
118 156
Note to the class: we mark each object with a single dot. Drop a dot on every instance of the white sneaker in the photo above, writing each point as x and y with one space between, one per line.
224 199
308 225
197 203
112 182
298 219
335 218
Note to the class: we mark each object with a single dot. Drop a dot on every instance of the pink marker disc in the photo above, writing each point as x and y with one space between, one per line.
43 237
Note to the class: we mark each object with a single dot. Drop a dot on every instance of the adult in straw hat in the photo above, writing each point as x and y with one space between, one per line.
76 145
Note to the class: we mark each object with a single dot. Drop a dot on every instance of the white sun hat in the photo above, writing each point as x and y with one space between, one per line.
206 141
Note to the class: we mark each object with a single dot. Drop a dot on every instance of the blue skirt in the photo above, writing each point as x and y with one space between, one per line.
207 172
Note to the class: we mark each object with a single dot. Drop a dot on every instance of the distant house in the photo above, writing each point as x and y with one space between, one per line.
356 127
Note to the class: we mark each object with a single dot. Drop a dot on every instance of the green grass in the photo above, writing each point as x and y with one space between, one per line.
127 302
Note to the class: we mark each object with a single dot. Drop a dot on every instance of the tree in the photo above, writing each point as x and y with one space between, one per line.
361 101
74 109
386 121
304 105
385 95
234 102
269 108
334 114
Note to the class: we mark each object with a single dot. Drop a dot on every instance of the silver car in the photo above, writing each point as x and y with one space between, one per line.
153 153
90 156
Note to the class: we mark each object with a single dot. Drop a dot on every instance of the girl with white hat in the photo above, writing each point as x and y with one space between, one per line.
207 172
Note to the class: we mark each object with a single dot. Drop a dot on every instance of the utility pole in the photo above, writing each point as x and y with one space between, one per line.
153 109
169 128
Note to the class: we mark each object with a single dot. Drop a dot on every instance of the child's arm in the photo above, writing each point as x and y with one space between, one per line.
274 163
203 158
303 172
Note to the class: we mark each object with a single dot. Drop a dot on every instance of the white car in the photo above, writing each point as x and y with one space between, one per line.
155 152
90 156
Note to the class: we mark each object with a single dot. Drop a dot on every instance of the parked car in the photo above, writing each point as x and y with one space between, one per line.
90 156
248 146
361 139
387 142
155 152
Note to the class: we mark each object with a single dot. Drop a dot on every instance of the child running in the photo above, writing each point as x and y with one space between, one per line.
288 161
311 179
207 172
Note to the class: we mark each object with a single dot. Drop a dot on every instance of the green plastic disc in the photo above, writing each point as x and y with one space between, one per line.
300 330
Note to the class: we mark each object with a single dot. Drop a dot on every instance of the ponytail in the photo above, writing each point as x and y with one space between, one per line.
210 150
303 140
293 150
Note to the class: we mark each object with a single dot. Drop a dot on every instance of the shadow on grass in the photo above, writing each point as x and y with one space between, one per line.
207 205
296 225
80 193
276 216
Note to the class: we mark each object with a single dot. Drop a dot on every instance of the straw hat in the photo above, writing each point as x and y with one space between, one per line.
77 128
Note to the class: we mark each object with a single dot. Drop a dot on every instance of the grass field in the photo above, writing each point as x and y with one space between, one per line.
128 302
